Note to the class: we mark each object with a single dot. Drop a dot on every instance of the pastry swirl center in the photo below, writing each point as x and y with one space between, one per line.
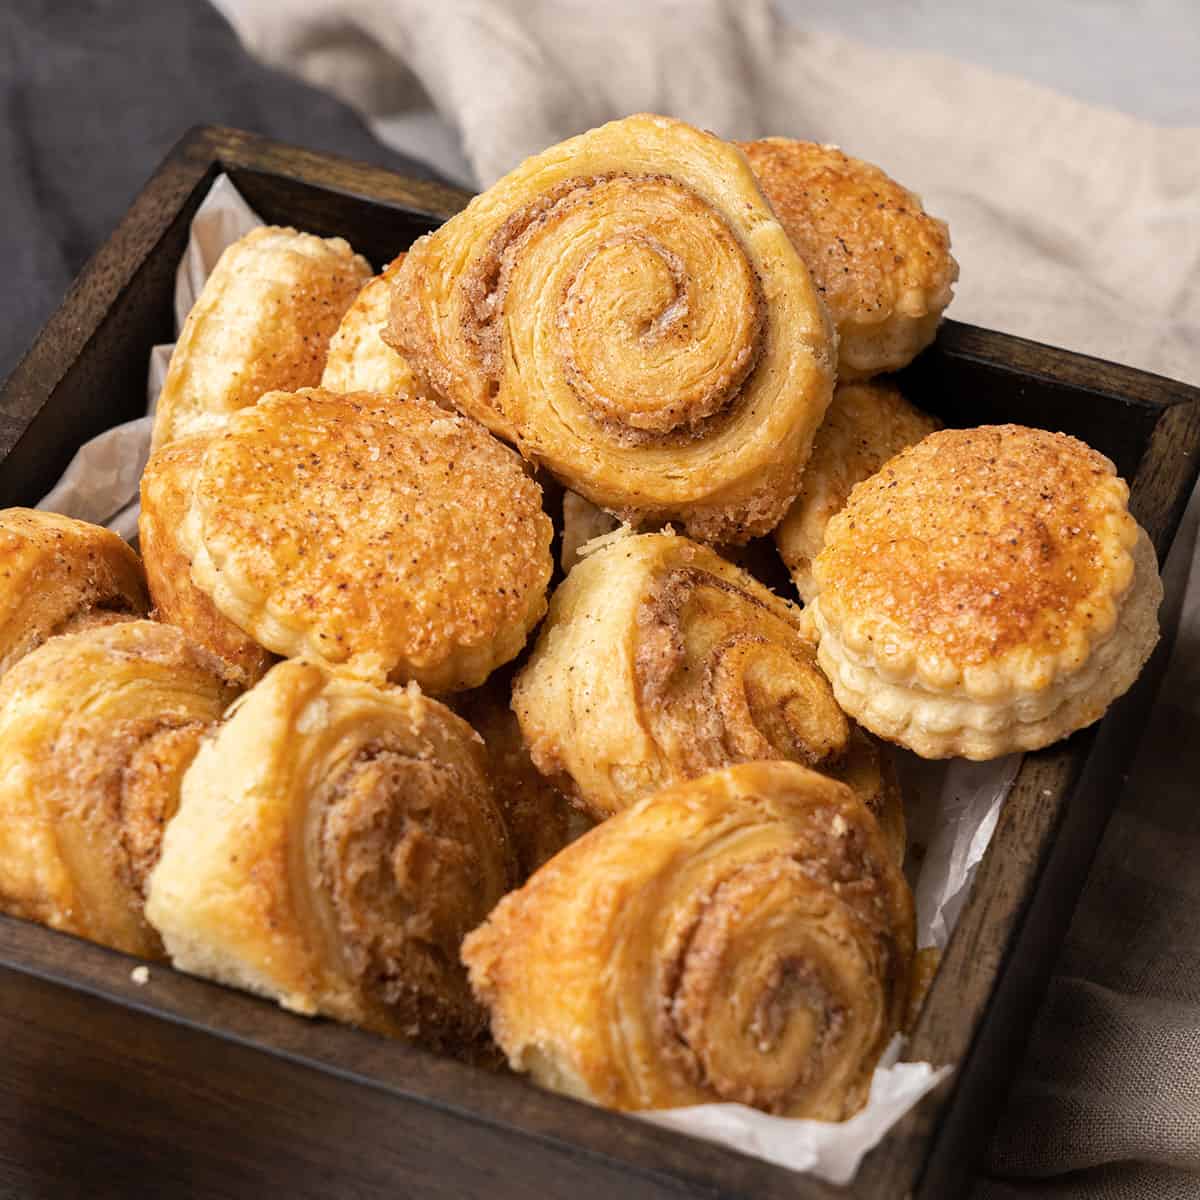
639 290
724 679
400 858
761 1002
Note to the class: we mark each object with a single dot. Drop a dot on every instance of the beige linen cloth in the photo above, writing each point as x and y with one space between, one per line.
1074 226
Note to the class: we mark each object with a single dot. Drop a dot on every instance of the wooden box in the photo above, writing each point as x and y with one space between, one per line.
182 1087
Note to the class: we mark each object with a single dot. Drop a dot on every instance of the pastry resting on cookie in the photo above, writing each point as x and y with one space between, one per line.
626 308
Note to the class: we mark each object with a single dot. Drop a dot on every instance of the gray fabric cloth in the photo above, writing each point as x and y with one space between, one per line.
1074 226
92 94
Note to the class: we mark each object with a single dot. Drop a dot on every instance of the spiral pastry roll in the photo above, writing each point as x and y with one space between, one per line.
166 496
986 592
96 730
627 309
881 263
359 360
866 424
59 575
262 322
659 661
379 535
745 937
333 844
540 820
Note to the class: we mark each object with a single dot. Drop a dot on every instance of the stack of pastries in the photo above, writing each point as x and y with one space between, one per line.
334 741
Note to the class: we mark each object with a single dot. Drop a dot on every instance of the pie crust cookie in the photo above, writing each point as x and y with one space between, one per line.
988 591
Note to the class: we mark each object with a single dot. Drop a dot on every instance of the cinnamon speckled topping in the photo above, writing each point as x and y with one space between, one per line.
868 241
381 533
979 541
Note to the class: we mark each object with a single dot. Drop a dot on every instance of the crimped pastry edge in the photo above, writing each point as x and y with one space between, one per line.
1020 670
260 618
956 724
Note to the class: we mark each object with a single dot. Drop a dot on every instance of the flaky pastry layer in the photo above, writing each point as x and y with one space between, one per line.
658 661
261 323
881 264
745 936
627 309
96 730
166 494
333 845
952 724
58 575
988 561
866 424
359 360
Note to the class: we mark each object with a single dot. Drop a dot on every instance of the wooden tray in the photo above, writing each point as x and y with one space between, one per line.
180 1086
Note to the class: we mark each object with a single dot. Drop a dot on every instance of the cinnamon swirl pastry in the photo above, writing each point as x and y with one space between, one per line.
627 309
881 263
359 360
379 535
986 592
262 322
96 730
333 844
166 496
659 661
866 424
59 575
745 936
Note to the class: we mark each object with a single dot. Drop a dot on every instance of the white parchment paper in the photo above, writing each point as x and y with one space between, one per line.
951 813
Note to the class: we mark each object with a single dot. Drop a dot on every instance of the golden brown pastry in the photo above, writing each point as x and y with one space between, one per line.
868 770
166 496
881 263
359 360
59 575
745 936
627 309
96 730
262 322
333 844
540 820
379 535
659 661
866 424
986 592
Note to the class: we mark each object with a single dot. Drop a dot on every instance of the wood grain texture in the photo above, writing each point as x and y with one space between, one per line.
183 1086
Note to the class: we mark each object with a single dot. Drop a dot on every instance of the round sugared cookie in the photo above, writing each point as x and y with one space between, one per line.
987 591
